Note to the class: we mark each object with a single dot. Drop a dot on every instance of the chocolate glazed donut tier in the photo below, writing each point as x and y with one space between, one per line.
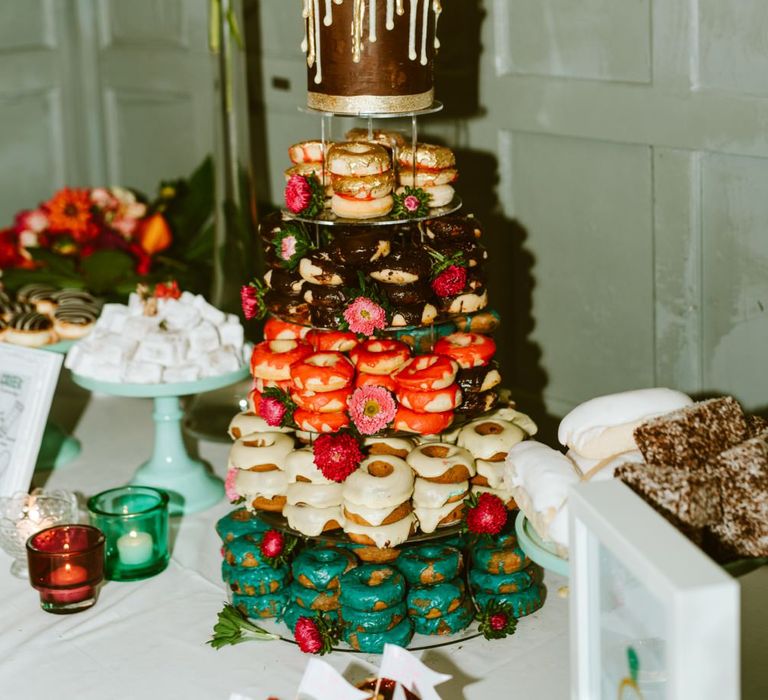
359 62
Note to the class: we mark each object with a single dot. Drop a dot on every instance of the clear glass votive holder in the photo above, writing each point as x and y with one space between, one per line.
134 520
66 566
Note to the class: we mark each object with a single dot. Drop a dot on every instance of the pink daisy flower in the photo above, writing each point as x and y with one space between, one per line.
364 316
372 409
229 485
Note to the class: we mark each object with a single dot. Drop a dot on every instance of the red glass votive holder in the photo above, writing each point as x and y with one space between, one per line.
66 566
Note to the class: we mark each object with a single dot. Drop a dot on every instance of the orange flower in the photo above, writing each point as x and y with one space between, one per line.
154 234
69 211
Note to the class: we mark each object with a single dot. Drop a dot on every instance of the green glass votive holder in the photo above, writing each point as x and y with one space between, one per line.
134 520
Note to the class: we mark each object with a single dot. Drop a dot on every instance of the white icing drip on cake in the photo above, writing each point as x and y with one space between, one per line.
384 535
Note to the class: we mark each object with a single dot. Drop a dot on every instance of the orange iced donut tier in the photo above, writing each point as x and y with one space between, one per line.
437 401
322 402
338 341
272 359
322 371
380 356
422 423
468 349
364 379
275 329
426 373
312 422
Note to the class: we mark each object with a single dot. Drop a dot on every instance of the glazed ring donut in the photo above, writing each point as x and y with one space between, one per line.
495 584
274 504
468 349
244 424
398 447
411 294
276 329
428 157
238 523
322 371
430 401
523 603
372 622
466 303
255 581
354 158
374 642
322 402
385 137
482 322
353 208
430 564
426 373
369 588
260 452
267 488
380 356
363 186
260 384
325 295
318 268
272 359
422 423
433 494
293 612
436 600
306 152
300 466
336 341
442 462
357 514
360 247
490 438
323 317
499 559
321 496
312 521
321 568
261 606
450 623
364 379
381 481
478 379
284 282
320 422
427 178
311 599
403 266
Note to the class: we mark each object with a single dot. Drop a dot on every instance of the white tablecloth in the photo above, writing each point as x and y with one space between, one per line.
147 639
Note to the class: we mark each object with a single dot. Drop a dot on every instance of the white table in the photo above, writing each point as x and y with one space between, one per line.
147 639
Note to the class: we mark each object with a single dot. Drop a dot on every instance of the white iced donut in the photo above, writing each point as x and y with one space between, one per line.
435 460
468 303
439 195
399 447
303 493
492 472
430 494
312 521
384 535
348 208
300 466
431 518
521 420
489 438
603 426
372 516
244 424
261 451
380 481
252 485
507 496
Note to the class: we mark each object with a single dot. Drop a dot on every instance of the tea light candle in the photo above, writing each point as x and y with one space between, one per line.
68 575
134 548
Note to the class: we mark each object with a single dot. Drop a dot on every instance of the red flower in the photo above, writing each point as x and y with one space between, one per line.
450 281
498 621
249 300
488 517
308 636
337 455
272 410
143 261
10 253
272 544
167 290
298 194
69 211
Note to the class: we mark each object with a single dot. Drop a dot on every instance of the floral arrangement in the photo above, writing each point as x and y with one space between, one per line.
304 195
108 239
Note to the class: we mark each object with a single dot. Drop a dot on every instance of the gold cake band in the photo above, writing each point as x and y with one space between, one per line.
369 104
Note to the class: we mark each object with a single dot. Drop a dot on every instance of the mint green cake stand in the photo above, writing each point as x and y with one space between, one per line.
537 550
189 484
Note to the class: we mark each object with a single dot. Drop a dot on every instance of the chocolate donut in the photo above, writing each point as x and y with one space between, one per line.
30 321
478 402
325 296
453 227
466 302
282 281
287 306
326 317
474 380
403 266
474 254
36 292
319 268
270 226
408 294
74 296
360 249
416 315
15 308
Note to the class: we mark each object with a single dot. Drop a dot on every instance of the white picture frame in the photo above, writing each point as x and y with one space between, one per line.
642 592
27 383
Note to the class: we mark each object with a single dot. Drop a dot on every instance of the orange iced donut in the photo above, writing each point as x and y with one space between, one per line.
426 373
421 423
322 371
320 422
437 401
468 349
338 341
380 356
275 329
272 359
322 402
364 379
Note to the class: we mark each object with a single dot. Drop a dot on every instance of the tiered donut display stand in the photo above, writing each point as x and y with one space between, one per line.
376 430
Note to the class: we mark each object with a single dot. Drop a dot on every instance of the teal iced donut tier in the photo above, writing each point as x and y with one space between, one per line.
321 568
450 623
379 621
293 612
258 580
437 600
373 642
483 582
495 559
238 523
311 599
244 552
523 603
270 605
372 587
430 563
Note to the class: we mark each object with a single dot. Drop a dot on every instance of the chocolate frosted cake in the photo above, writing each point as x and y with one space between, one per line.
369 56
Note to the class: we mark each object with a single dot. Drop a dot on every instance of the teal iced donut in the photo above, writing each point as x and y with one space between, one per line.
258 580
293 612
437 600
312 599
430 563
320 568
244 552
495 559
450 623
238 523
373 642
459 541
422 339
483 582
269 605
372 587
378 621
523 603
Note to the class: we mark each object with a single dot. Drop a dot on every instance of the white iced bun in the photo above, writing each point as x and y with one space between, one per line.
603 426
602 469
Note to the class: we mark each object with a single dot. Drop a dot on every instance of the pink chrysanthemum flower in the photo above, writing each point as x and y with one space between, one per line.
229 485
271 410
372 409
364 316
298 193
288 247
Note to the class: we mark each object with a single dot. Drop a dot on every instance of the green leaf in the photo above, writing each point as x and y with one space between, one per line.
57 264
106 269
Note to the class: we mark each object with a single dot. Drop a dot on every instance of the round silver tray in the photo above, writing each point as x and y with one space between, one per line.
436 106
